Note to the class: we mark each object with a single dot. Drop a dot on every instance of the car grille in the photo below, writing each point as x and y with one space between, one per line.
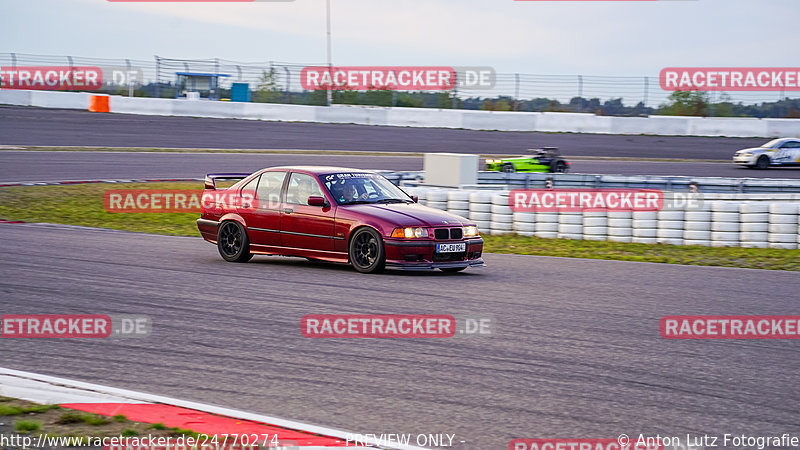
448 233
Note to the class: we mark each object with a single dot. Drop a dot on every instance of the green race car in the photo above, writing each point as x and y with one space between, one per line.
546 159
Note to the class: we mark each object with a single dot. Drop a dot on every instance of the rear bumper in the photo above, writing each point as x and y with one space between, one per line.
421 255
208 229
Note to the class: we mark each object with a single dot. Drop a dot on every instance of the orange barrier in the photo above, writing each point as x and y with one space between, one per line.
99 103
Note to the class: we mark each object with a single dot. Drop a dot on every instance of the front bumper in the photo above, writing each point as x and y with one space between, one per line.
421 255
745 160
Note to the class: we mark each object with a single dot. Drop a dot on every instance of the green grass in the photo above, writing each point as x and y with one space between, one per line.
83 205
27 426
7 410
77 417
753 258
158 426
120 418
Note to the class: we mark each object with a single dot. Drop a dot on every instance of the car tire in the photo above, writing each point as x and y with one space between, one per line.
233 243
509 168
367 253
558 166
452 269
762 162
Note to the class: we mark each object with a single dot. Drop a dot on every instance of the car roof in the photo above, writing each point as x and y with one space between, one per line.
782 140
317 170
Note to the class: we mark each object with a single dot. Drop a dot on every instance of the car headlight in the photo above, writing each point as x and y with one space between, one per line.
746 154
470 231
410 232
492 161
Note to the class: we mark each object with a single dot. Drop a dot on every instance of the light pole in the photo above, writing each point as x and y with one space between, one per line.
330 60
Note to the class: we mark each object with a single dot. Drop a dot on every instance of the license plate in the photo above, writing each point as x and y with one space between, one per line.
451 248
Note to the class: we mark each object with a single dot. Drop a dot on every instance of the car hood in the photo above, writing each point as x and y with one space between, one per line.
410 214
753 150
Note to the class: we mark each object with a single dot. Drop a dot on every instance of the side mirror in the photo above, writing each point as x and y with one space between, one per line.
316 201
415 198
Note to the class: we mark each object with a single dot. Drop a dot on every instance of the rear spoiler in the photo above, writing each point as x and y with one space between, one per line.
211 178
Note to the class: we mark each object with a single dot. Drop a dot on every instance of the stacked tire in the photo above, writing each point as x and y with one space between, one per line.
671 224
645 227
546 225
480 210
570 225
524 223
725 224
502 217
754 224
620 226
458 203
697 227
783 225
595 225
437 198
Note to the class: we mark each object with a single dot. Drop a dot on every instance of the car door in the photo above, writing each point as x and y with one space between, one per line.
786 153
304 226
793 152
263 215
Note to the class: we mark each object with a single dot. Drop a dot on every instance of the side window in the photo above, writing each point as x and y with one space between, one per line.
269 190
302 186
248 192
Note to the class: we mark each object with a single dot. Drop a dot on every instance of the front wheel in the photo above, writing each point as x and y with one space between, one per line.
367 254
762 162
509 168
233 243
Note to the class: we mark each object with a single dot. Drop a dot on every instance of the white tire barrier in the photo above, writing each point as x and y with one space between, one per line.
524 217
501 209
480 216
458 204
437 195
480 207
746 221
620 223
783 225
521 227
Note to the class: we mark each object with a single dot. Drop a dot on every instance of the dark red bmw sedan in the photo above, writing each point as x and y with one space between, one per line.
334 214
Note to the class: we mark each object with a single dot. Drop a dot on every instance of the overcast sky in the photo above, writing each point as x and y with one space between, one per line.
541 37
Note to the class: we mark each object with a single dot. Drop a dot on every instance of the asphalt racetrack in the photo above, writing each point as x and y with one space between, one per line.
53 127
576 351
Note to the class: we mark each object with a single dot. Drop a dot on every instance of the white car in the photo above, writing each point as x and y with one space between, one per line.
777 152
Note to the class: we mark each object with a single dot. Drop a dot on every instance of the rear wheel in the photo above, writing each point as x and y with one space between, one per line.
509 168
558 166
233 243
762 162
367 254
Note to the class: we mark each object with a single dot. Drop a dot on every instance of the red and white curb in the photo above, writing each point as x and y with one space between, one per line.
149 408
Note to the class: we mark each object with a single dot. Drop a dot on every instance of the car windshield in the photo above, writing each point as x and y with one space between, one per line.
773 143
349 188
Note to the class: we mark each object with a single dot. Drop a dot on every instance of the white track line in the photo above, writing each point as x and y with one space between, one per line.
95 393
